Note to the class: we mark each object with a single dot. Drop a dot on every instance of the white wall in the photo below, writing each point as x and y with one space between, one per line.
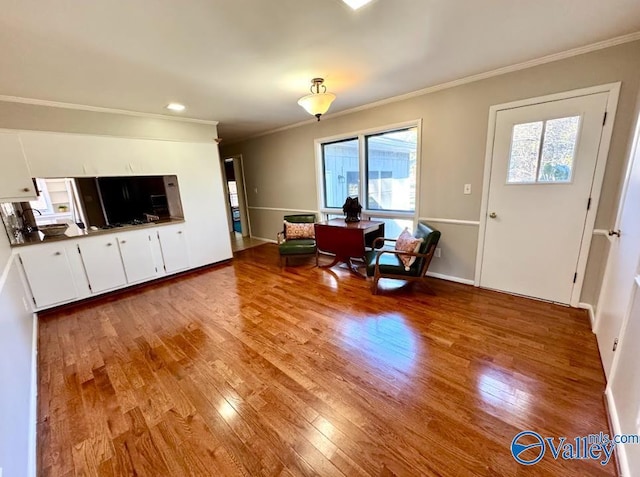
16 334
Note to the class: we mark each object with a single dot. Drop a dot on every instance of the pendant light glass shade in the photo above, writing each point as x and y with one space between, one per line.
317 103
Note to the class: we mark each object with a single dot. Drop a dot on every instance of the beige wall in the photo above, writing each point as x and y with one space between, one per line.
45 118
282 165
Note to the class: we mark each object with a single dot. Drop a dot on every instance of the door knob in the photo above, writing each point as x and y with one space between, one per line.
109 244
26 189
493 215
614 232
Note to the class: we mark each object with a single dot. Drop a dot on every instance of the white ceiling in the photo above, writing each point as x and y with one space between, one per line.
246 62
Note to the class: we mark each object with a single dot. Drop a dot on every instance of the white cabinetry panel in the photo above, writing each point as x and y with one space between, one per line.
103 263
15 180
49 274
174 248
137 255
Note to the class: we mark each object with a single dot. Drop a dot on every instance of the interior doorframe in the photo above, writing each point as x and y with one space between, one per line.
243 204
596 186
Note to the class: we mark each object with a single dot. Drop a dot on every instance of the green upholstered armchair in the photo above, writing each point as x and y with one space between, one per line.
289 246
386 263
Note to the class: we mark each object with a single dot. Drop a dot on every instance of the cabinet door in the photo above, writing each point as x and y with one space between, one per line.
49 275
102 262
174 249
15 180
137 256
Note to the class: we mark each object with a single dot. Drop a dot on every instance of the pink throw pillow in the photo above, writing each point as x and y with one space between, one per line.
299 231
408 243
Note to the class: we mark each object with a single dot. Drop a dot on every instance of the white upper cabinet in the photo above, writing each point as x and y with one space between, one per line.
137 255
15 180
49 274
174 248
102 263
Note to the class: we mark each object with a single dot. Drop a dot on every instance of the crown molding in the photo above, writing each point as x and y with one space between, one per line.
99 109
467 79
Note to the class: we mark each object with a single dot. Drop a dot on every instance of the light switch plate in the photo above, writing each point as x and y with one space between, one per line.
437 252
467 189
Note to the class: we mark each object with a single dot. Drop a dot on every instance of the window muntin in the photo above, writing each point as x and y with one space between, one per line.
543 151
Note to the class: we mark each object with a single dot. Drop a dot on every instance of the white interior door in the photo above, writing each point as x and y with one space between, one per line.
543 164
624 254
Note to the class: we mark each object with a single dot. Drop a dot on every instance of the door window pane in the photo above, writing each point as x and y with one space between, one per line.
525 148
391 170
341 172
558 149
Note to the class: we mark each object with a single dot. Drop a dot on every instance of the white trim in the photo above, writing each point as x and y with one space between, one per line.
265 239
627 178
450 221
613 89
603 233
359 136
33 401
589 308
596 188
465 281
278 209
619 40
100 109
614 419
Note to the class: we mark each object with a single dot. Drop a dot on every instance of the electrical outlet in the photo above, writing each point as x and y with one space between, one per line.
467 189
437 252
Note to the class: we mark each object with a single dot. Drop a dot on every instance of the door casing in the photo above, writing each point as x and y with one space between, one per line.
603 151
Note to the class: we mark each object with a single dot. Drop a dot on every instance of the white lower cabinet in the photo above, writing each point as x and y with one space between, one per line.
70 270
102 263
174 248
49 274
137 255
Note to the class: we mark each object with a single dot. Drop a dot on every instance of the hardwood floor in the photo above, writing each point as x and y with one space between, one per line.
250 369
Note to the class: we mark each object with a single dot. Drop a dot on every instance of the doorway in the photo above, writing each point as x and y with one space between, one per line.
545 163
237 215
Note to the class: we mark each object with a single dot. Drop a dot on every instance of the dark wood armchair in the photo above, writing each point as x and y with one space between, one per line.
386 263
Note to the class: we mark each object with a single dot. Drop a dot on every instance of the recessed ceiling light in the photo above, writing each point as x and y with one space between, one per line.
176 107
355 4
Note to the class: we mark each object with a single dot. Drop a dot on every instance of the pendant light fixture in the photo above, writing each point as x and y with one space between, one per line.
317 103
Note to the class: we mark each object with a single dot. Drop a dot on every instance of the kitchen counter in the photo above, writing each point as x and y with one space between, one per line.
73 232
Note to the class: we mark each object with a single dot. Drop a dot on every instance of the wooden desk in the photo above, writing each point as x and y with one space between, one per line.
347 240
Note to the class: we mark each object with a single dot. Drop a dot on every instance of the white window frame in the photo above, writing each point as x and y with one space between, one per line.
360 136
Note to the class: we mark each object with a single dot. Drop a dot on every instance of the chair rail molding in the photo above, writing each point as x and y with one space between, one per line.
280 209
450 221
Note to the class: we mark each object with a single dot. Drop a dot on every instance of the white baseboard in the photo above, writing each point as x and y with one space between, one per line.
33 401
614 421
441 276
265 239
592 314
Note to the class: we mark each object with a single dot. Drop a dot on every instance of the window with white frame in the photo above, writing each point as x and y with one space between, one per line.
379 167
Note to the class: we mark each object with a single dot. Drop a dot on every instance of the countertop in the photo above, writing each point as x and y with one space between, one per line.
74 233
